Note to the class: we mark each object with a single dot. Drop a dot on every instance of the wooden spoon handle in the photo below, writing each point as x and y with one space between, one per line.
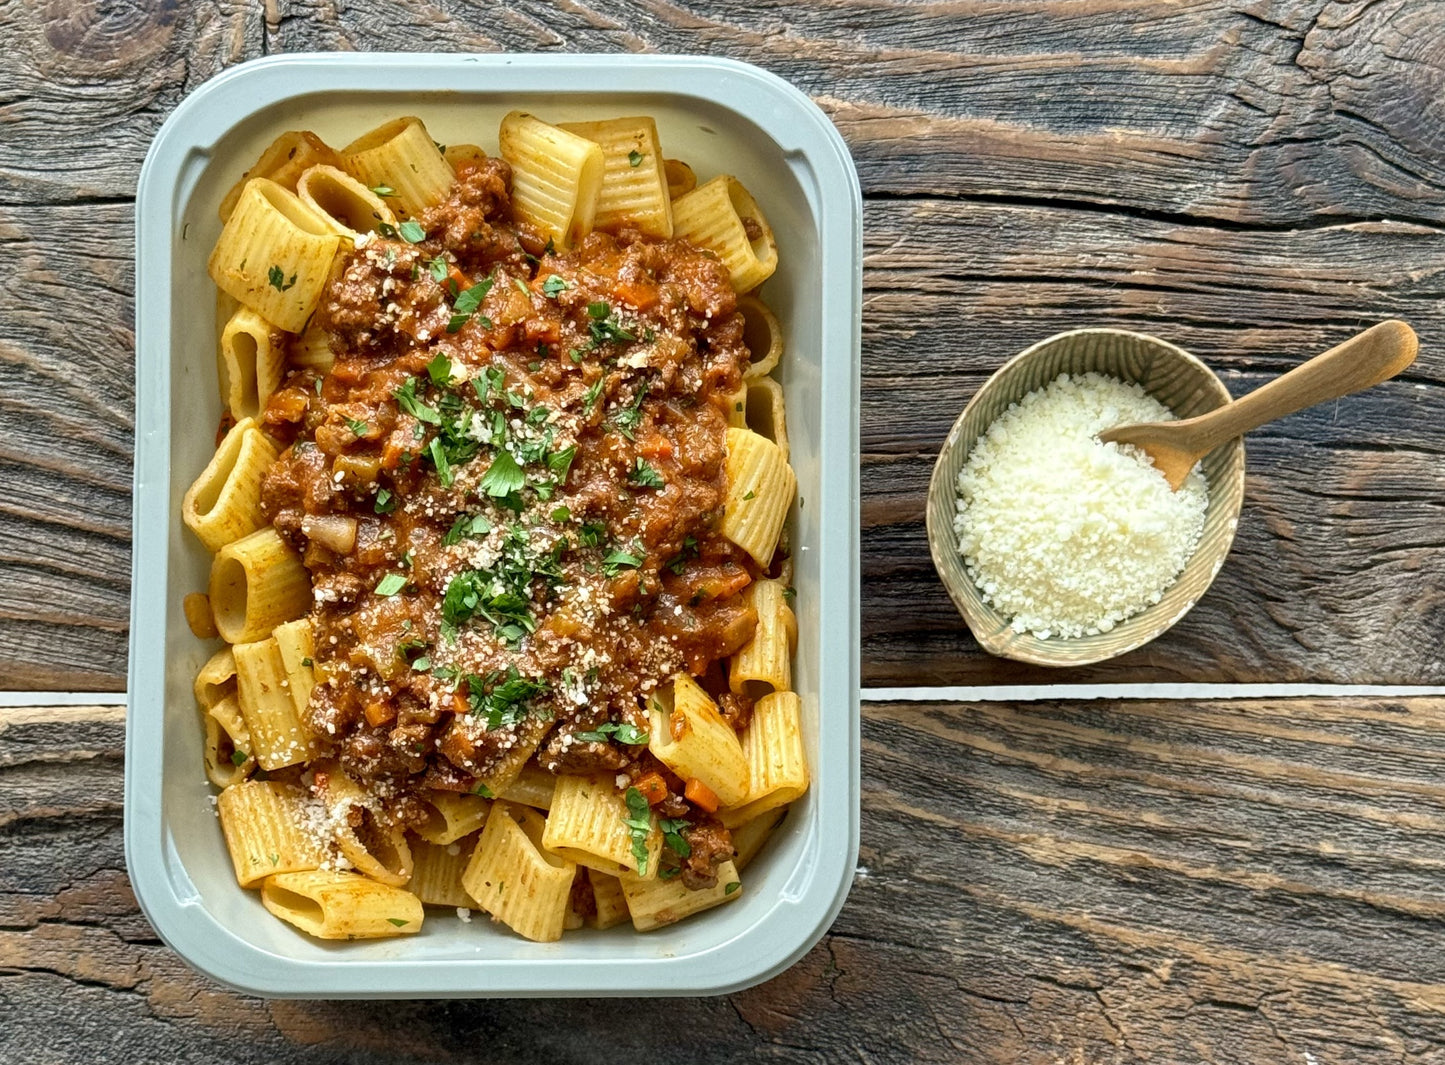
1375 355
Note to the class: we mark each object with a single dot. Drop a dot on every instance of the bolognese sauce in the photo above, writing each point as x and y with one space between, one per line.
507 490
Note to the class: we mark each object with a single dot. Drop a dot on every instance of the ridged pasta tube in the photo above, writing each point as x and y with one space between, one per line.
691 738
284 161
634 181
375 846
347 206
763 335
278 736
556 177
257 583
437 868
252 362
451 815
587 825
228 744
765 663
331 905
718 216
777 763
610 902
515 878
401 156
274 254
263 821
760 491
655 903
224 502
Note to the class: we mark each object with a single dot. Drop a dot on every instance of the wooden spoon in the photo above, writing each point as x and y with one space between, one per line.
1376 355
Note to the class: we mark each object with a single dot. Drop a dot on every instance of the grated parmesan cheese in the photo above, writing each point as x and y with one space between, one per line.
1066 535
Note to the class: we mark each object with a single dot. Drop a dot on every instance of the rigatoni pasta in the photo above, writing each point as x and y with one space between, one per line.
499 541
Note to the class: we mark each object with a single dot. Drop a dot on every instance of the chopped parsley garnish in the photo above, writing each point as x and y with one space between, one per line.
590 399
553 286
634 158
307 662
626 421
621 730
689 550
732 887
278 280
790 592
503 701
440 370
503 476
672 836
603 328
440 269
422 664
438 453
383 190
390 584
467 525
484 791
750 494
639 825
618 560
592 533
385 501
238 757
466 304
398 922
406 399
644 476
411 231
559 462
522 287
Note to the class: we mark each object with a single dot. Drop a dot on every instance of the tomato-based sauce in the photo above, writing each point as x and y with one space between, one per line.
507 492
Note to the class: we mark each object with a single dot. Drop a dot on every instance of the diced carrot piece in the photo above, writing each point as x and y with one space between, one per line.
652 786
637 294
656 446
460 703
456 277
700 795
379 713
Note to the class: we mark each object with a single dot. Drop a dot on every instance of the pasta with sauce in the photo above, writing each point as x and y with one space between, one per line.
498 542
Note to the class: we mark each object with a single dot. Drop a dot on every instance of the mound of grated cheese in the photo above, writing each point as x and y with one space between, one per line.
1066 535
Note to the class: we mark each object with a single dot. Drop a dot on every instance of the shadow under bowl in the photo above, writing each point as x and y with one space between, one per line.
1173 377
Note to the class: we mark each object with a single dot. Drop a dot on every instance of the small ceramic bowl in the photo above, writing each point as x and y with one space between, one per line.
1169 374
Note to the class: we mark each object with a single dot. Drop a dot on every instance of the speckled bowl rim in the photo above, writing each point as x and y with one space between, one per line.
1003 641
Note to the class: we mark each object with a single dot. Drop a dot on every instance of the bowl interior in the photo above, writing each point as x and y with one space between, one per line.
1169 374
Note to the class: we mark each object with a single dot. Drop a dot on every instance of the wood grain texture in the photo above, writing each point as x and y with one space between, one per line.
1249 180
1246 882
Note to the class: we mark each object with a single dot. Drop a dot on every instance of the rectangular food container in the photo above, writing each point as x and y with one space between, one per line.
718 115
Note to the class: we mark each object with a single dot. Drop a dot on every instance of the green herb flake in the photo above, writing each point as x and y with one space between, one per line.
634 158
397 921
559 462
406 399
592 533
443 464
467 526
618 560
732 887
622 731
590 399
307 662
639 825
383 190
238 757
645 476
357 426
278 280
750 494
440 370
503 476
440 269
422 664
411 231
553 287
385 501
390 584
484 791
673 838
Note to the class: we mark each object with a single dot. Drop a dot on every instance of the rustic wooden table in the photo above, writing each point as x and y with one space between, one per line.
1206 878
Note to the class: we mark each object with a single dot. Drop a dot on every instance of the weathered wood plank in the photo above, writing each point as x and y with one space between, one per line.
1240 881
1335 576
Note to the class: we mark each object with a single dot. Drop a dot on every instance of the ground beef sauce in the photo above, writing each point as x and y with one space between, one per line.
507 492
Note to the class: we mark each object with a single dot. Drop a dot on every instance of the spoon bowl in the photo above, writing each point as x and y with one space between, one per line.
1172 376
